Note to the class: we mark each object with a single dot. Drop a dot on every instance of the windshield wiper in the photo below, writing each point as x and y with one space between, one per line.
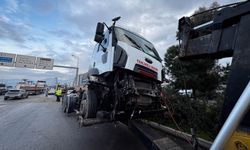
131 40
152 50
148 47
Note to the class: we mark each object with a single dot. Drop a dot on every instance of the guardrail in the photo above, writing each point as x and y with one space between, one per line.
182 135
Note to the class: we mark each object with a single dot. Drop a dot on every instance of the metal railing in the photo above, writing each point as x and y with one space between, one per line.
233 120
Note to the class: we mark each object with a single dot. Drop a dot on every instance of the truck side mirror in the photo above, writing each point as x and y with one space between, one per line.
99 32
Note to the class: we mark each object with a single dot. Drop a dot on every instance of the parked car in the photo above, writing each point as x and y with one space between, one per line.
3 89
16 94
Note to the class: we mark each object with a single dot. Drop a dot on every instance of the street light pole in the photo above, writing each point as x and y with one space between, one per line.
77 68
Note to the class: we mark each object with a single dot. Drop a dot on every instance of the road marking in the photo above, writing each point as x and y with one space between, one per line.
2 105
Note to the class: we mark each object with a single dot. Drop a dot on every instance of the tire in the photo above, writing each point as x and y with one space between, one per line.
67 109
64 103
68 106
88 107
71 104
5 98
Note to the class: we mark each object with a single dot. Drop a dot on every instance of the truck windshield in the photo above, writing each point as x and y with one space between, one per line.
136 42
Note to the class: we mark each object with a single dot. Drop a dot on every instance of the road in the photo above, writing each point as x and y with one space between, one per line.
38 123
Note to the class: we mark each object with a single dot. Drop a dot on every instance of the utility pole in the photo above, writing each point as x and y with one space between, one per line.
56 79
77 69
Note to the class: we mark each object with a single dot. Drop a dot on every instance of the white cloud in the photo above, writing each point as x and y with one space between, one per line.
12 6
21 30
155 20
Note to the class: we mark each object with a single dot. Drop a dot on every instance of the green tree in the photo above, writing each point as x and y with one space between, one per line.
200 18
205 77
198 75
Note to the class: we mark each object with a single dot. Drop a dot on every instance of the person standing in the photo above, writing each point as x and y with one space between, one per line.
46 92
58 94
80 93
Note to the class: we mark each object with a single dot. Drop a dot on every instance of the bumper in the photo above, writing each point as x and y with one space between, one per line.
12 97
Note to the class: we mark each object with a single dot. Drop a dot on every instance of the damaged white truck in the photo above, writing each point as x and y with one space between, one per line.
124 77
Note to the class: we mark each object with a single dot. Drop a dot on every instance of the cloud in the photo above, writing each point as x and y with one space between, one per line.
9 29
12 6
58 29
65 34
155 20
43 7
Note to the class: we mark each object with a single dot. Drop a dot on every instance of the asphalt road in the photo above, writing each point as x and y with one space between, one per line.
38 123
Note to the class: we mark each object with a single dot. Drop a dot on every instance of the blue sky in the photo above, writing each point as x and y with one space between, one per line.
60 28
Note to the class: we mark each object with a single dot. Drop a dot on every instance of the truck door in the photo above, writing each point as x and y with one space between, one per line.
103 55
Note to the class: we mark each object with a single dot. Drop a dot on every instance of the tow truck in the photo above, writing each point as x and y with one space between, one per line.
32 88
225 34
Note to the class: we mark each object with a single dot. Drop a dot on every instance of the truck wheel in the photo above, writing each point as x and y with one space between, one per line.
5 98
69 106
63 100
64 104
67 109
88 107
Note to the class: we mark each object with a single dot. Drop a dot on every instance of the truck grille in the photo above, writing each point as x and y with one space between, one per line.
145 71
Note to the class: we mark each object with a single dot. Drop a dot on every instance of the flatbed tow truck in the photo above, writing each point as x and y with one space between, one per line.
32 88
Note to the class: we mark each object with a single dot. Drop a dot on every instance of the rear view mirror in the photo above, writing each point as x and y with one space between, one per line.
99 32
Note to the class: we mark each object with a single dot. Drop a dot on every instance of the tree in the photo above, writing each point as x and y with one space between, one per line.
198 75
205 77
200 18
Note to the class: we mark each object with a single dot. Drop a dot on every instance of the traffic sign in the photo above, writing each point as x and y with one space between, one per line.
7 59
44 63
25 61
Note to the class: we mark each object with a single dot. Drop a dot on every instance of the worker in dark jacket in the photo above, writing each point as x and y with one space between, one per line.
58 94
80 93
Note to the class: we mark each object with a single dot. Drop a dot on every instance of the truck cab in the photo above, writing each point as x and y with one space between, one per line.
120 48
